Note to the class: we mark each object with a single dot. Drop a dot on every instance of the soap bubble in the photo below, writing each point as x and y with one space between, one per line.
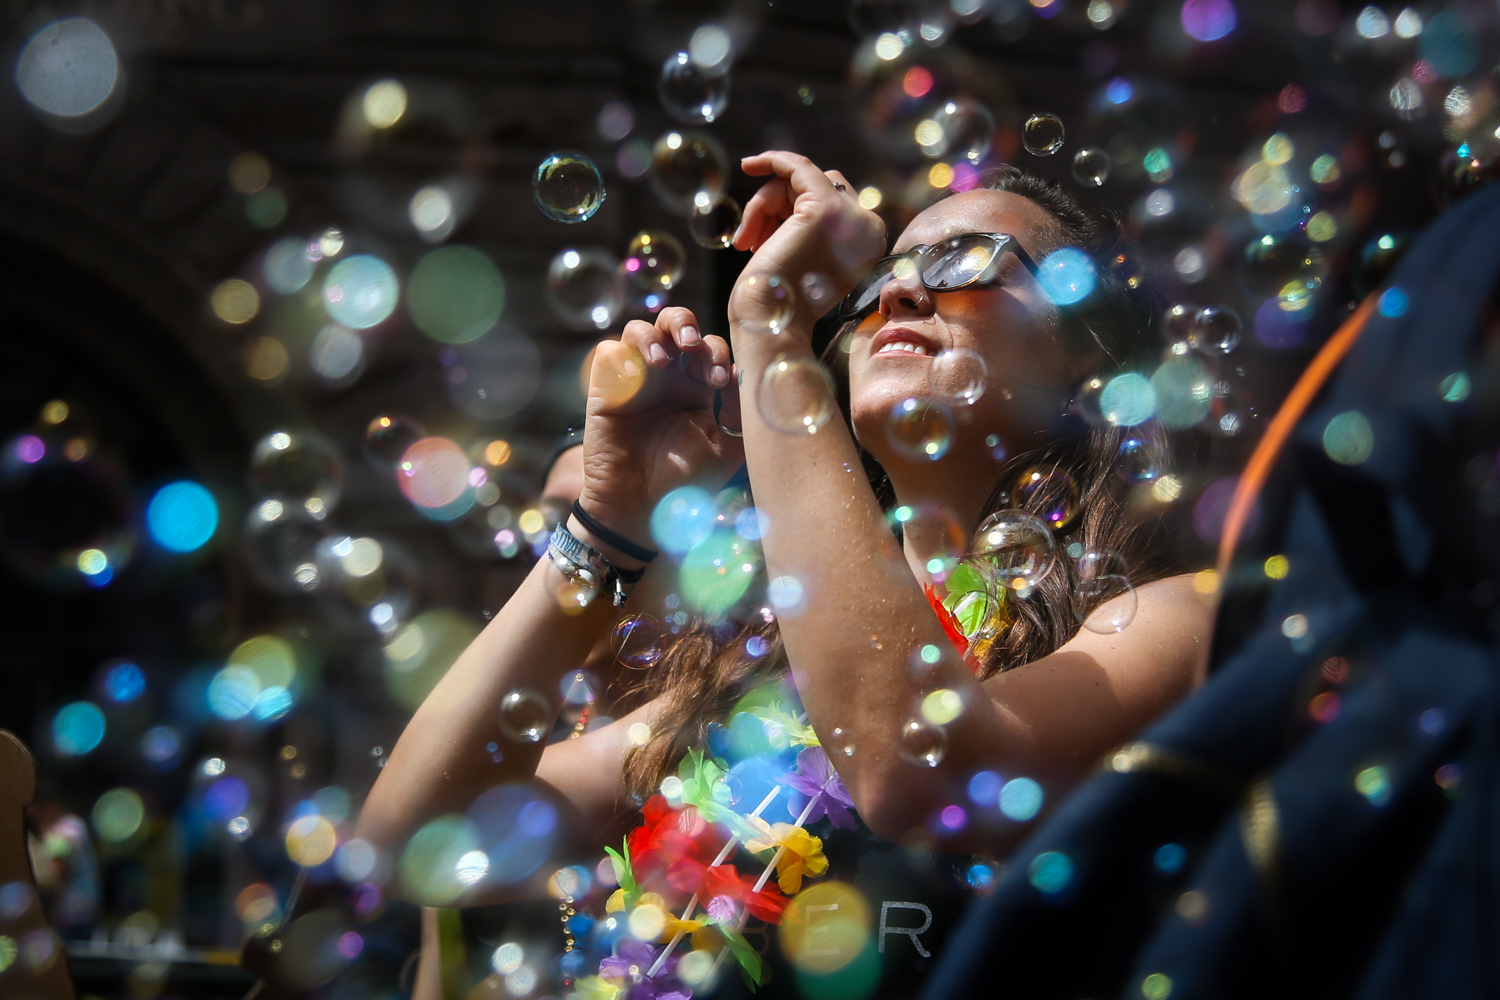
688 170
517 827
1128 399
818 290
387 437
1067 276
1017 547
1177 323
933 533
923 743
1272 261
336 354
1184 391
1042 135
1093 592
584 289
965 131
568 187
1051 492
920 429
287 266
654 261
360 291
419 653
770 302
1091 167
455 294
637 641
297 468
796 395
434 473
77 728
682 519
281 546
68 68
494 376
1138 461
525 716
1087 399
692 94
714 226
959 376
1215 330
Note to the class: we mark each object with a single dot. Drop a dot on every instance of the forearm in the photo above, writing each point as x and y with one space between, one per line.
442 760
866 620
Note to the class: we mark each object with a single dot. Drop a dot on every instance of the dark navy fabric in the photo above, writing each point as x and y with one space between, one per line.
1325 858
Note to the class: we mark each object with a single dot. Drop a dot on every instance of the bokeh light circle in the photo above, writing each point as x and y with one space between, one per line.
77 728
361 291
455 294
68 68
182 516
118 814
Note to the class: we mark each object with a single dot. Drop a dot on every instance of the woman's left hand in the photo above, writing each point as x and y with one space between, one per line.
803 221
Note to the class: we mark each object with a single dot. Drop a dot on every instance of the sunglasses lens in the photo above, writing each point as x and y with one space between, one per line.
958 261
867 292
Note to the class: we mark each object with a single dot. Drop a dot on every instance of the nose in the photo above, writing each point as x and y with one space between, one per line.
905 296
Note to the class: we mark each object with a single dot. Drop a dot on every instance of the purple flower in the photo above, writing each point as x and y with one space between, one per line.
722 909
629 965
816 778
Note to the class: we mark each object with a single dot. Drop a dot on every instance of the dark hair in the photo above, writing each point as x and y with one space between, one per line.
705 670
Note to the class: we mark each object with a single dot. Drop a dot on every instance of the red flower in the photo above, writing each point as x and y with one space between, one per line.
945 618
709 883
670 835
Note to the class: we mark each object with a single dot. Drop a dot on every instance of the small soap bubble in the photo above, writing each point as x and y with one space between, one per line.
1042 134
568 187
654 261
1050 492
1086 400
1177 323
691 93
615 120
1091 167
525 716
584 289
1138 461
764 303
920 429
297 467
796 395
1215 330
965 132
714 223
1017 547
637 641
958 377
688 170
923 743
387 437
841 741
1105 603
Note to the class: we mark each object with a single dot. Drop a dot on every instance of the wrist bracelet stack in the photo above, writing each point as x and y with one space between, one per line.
587 567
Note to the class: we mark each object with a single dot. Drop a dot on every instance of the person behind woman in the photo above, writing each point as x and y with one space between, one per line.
1044 699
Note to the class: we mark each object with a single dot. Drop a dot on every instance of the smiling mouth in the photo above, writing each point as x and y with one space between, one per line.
903 347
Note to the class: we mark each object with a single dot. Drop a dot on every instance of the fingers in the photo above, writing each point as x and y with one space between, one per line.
681 324
841 184
674 340
767 209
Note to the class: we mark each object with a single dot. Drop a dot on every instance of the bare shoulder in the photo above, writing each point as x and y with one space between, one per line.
587 772
1170 631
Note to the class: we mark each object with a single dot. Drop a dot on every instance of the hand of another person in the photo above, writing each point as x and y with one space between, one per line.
650 426
804 221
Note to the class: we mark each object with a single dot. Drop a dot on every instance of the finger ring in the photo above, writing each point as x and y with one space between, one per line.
839 186
719 405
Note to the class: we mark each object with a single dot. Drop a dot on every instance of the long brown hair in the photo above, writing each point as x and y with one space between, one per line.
710 665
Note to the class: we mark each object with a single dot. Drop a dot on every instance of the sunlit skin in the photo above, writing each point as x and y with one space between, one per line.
651 428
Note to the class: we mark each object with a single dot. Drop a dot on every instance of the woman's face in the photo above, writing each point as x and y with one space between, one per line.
922 344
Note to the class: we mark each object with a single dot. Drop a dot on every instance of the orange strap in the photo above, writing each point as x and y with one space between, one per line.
1280 428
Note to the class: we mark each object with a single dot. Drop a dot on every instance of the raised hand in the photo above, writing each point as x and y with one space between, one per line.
650 425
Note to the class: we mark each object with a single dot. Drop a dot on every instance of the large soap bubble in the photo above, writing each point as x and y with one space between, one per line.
68 68
568 187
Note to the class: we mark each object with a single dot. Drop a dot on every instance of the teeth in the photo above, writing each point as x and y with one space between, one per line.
904 346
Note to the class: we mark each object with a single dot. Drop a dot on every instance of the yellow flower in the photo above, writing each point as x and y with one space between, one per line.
595 988
801 852
616 902
676 926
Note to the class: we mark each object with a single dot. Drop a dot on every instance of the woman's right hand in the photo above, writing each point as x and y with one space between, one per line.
650 424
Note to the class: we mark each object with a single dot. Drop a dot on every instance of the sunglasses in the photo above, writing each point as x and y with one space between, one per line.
966 261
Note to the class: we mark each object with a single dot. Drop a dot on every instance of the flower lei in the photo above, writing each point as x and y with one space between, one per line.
687 847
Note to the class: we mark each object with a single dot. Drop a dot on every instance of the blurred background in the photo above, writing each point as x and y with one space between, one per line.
295 297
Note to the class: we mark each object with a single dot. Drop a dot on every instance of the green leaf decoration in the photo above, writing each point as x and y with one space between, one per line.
624 875
753 969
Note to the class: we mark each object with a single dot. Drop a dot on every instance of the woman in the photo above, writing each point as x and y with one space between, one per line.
865 645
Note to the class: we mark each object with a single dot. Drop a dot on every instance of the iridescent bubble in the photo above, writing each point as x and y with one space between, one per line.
933 533
714 226
682 519
1128 399
654 261
1138 461
428 868
958 377
923 743
297 467
1215 330
68 68
77 728
920 429
637 641
434 473
182 516
1067 276
1272 261
360 291
1348 438
1184 391
494 376
1021 799
311 840
1104 603
764 303
336 354
455 294
386 439
1017 547
281 543
1042 135
287 266
692 94
584 289
567 187
1088 399
717 571
818 290
525 716
1091 167
1052 493
966 128
516 827
688 170
796 395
